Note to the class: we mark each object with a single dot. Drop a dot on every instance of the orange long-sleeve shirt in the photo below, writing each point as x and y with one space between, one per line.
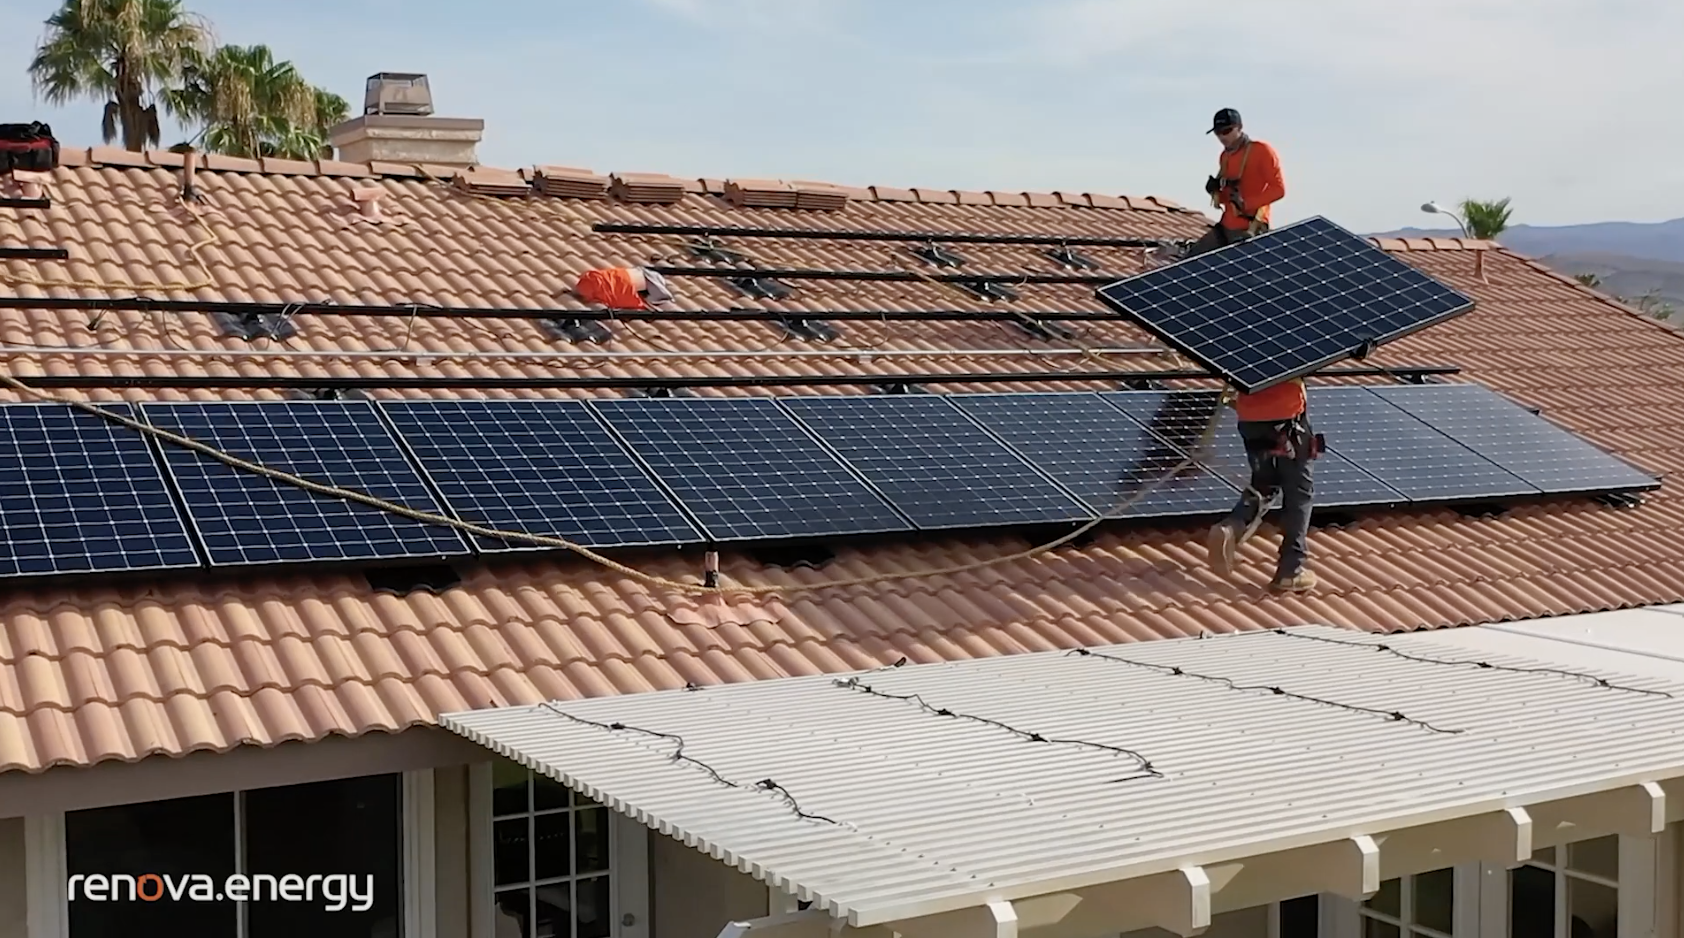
613 287
1258 168
1283 401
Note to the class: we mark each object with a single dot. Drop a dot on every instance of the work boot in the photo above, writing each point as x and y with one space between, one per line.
1301 582
1220 547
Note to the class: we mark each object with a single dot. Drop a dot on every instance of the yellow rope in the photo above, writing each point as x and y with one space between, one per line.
425 517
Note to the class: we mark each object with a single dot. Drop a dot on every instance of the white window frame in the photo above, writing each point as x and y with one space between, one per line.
628 865
1342 917
46 864
1636 889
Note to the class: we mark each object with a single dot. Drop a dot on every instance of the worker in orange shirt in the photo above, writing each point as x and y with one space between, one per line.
1274 424
623 288
1247 182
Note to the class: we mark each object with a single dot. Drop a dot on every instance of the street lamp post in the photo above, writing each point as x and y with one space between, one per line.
1433 208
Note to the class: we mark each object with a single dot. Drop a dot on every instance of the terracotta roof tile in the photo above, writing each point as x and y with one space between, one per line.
90 673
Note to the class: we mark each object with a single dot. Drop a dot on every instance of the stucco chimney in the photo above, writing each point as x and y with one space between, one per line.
398 126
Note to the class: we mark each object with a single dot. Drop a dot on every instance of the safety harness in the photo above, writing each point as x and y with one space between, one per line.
1254 226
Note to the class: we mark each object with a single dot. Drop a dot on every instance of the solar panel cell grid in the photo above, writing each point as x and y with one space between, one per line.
1180 416
1406 454
1097 452
79 494
1525 444
246 518
747 470
540 467
1285 303
935 465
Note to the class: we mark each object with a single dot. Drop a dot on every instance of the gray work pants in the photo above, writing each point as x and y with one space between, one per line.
1270 474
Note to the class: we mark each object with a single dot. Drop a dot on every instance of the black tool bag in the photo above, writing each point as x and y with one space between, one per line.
29 147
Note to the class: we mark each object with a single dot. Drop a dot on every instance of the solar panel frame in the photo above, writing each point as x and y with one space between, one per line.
559 472
1339 483
53 501
1099 453
1242 311
1423 463
936 465
225 505
1516 439
746 469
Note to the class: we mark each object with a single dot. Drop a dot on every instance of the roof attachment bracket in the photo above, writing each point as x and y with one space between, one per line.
1620 500
761 288
1143 384
1041 329
937 256
329 394
660 391
988 289
1071 258
707 248
899 387
252 326
816 330
578 331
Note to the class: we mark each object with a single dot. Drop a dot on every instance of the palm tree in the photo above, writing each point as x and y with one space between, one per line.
121 51
248 104
331 111
1486 220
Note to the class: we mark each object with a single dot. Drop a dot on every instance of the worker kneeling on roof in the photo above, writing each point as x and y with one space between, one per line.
1247 182
1279 444
623 288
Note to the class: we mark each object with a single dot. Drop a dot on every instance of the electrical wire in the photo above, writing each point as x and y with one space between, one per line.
1146 768
1231 684
678 755
1484 665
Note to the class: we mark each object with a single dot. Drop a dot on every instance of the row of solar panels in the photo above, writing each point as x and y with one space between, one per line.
81 494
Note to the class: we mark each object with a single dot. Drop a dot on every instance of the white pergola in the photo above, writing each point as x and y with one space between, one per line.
1068 794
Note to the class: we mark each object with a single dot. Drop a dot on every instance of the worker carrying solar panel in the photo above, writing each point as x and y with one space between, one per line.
1274 424
623 288
1247 182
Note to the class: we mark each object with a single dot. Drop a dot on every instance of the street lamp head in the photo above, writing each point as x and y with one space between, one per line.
1433 208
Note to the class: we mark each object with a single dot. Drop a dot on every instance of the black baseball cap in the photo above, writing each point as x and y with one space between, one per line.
1224 119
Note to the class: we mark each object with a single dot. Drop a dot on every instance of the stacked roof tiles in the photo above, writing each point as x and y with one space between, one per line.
91 672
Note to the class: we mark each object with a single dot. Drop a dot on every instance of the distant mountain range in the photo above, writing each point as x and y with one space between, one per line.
1632 259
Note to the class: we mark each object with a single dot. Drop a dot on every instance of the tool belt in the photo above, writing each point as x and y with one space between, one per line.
28 147
1293 440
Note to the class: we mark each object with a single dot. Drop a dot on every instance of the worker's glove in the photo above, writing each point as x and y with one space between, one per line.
1212 184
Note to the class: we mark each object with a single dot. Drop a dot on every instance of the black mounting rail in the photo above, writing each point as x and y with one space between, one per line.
34 254
599 382
24 203
826 234
898 276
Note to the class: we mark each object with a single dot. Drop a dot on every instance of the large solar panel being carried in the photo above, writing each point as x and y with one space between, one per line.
1098 452
80 494
934 464
246 518
747 470
1519 441
1284 304
544 467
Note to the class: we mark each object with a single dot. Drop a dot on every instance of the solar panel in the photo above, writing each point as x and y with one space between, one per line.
541 467
1403 452
246 518
1283 304
747 470
1525 444
1181 416
934 464
1095 450
80 494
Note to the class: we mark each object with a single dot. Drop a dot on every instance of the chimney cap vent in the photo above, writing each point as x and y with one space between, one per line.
404 93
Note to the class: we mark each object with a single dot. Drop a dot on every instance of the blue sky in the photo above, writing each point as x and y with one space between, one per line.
1567 106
